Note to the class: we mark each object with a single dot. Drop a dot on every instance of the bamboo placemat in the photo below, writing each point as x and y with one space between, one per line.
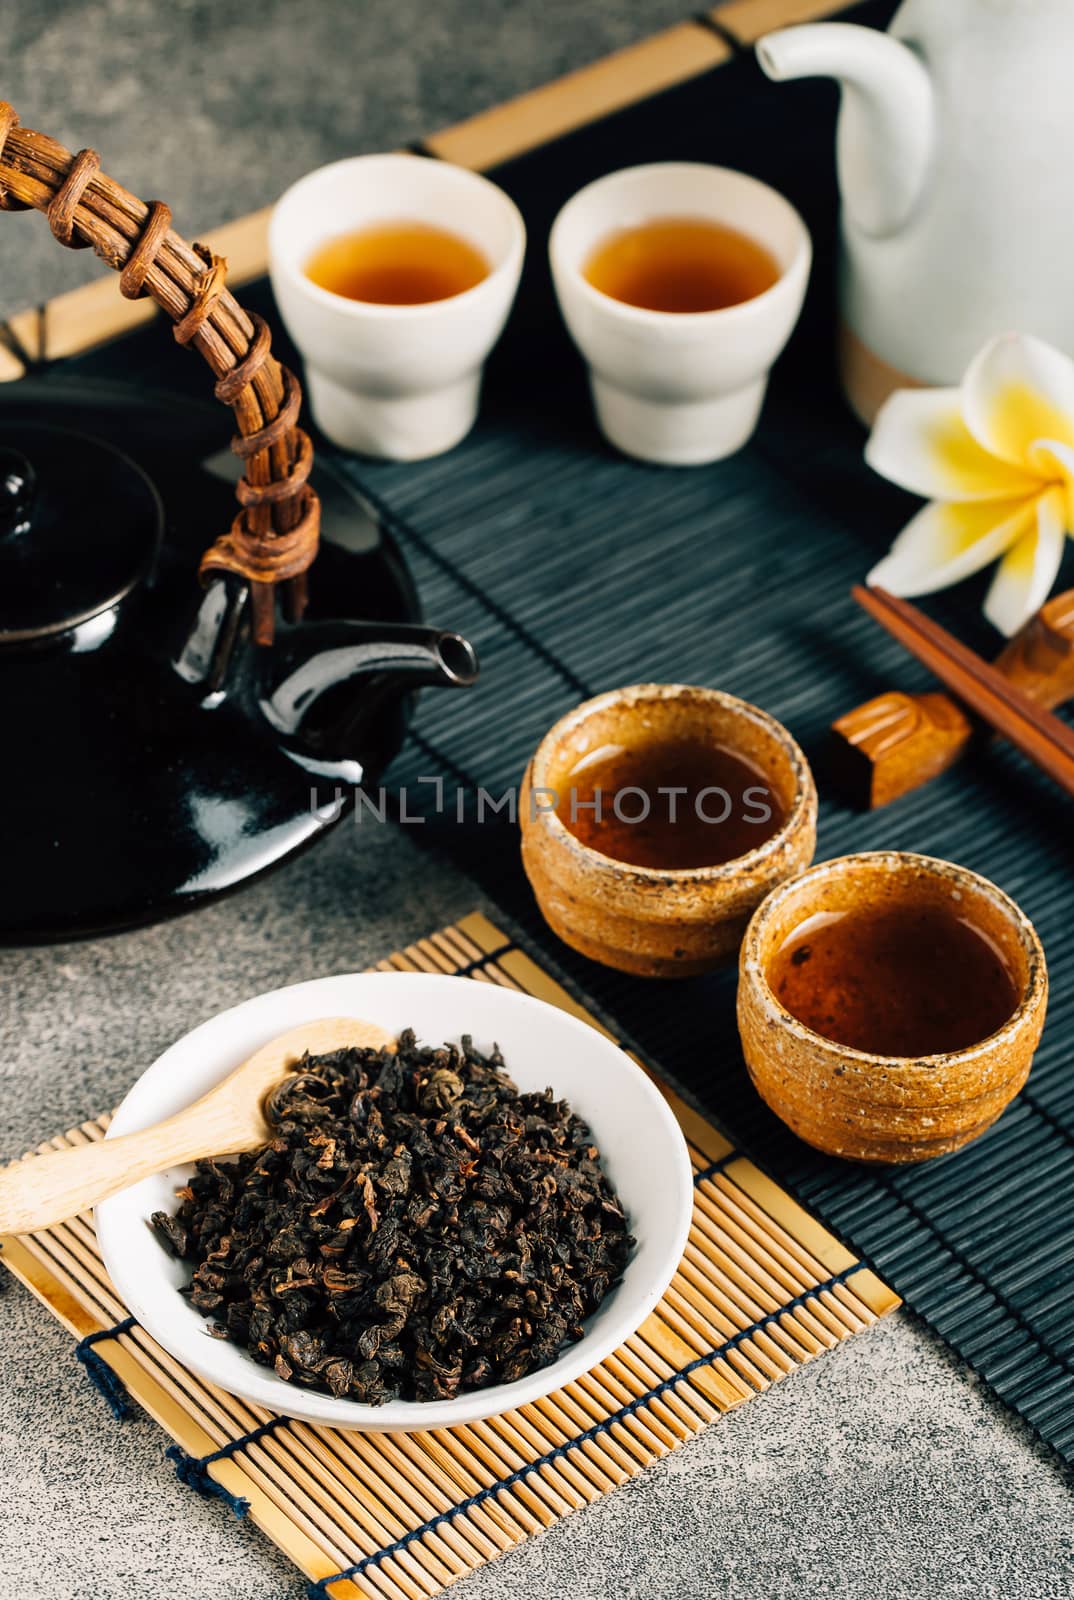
762 1289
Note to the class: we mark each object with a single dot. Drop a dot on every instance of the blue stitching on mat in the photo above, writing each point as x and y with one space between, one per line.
193 1470
715 1166
483 961
319 1590
100 1374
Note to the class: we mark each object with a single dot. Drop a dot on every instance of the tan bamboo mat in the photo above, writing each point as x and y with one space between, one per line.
762 1289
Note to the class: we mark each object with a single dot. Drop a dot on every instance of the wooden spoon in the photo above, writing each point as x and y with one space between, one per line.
42 1190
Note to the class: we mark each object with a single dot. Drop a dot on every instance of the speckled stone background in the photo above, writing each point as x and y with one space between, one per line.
880 1470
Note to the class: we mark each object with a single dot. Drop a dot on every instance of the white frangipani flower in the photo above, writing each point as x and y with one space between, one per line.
995 458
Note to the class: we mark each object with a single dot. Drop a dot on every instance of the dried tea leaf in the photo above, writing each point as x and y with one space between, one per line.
415 1228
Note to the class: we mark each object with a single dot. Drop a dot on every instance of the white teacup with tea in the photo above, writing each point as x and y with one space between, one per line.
394 275
680 283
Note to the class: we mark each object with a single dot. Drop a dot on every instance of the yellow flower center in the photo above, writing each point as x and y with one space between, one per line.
1021 420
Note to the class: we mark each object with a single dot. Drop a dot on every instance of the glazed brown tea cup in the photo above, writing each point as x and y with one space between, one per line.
969 962
662 921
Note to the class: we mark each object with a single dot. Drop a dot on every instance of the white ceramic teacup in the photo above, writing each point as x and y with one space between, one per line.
680 388
400 381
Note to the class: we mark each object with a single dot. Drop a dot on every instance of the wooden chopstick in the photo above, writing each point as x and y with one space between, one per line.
1039 734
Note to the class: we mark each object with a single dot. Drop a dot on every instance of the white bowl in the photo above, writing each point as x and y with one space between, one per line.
640 1141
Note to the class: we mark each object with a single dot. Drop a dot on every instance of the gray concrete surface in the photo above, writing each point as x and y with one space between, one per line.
217 108
882 1469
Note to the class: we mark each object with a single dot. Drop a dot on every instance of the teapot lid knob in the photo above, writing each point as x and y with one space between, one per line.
80 525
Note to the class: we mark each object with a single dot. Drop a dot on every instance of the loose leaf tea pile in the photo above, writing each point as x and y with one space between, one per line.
417 1227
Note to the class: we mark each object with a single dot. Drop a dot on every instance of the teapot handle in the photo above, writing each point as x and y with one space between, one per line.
273 538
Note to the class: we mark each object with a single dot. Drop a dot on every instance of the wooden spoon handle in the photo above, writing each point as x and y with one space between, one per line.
47 1189
44 1190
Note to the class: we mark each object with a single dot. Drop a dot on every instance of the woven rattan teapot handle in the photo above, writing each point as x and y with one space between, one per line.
273 538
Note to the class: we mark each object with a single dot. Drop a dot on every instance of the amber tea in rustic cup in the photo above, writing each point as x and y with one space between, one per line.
889 1005
705 804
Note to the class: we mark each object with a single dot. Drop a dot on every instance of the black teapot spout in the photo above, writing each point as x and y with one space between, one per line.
328 686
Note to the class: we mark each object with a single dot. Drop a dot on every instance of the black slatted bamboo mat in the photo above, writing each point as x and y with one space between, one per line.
574 571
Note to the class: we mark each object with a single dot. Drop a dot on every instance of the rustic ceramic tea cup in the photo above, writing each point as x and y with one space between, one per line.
680 388
662 923
398 381
878 1108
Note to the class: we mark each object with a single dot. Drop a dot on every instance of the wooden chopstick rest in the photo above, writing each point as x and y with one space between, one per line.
897 742
1039 734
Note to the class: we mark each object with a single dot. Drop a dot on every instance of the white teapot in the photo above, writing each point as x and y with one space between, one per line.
955 151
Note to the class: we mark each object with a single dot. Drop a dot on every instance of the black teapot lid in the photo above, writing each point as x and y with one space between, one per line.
80 526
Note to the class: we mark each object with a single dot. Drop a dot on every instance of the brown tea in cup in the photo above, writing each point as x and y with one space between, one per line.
894 980
596 890
669 803
681 264
889 1004
397 263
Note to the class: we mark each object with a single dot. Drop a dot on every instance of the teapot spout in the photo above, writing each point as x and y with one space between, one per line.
329 683
885 137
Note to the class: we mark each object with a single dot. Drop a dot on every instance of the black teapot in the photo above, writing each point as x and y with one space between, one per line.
154 754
